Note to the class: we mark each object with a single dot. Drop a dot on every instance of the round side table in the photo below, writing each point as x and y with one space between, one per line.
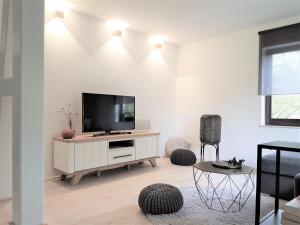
223 190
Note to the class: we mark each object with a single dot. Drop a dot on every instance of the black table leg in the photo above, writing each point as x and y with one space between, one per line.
258 185
277 185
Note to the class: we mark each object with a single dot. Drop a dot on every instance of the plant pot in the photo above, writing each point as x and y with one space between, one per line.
68 134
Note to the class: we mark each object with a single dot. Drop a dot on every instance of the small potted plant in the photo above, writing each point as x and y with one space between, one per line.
70 132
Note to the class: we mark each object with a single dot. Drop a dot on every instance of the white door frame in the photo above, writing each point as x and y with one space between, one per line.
26 88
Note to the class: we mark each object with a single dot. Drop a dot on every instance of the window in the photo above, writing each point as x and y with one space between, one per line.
279 74
283 64
283 110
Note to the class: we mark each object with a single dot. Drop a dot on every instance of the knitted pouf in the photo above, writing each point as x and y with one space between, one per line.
159 199
183 157
176 143
297 185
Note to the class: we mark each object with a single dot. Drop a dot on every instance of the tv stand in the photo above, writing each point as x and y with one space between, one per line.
84 154
111 133
98 135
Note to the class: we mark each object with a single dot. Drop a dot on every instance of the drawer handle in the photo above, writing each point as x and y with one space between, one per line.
122 156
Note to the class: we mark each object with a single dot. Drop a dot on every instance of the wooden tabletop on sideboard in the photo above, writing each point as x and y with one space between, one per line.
89 137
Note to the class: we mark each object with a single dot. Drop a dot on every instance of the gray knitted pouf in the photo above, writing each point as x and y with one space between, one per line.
183 157
159 199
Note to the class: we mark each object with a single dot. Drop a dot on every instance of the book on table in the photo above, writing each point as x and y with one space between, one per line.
291 212
290 219
293 207
288 222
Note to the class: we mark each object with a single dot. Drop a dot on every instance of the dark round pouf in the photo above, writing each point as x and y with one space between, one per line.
183 157
297 185
159 199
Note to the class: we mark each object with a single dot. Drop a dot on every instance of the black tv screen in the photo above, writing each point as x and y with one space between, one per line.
101 112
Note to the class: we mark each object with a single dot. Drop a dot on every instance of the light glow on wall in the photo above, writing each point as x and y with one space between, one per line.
58 9
156 56
157 42
114 44
57 27
117 27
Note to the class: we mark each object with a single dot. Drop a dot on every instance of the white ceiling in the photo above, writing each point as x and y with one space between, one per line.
183 21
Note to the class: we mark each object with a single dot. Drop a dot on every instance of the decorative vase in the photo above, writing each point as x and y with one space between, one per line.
68 134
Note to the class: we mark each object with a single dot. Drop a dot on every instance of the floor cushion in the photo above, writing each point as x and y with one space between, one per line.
160 198
183 157
297 185
176 143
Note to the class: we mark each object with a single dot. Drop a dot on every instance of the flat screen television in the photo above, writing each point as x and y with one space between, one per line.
102 112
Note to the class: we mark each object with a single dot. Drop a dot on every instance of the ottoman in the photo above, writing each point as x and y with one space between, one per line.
297 185
160 198
183 157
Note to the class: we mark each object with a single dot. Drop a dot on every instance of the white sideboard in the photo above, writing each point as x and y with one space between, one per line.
85 154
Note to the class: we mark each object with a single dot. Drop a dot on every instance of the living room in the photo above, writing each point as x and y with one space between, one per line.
178 61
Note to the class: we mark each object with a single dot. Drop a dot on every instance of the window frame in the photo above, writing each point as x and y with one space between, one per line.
277 122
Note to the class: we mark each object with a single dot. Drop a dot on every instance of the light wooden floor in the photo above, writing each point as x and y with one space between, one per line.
108 200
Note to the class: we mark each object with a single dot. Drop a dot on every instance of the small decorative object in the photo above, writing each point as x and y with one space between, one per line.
70 132
230 164
234 162
67 134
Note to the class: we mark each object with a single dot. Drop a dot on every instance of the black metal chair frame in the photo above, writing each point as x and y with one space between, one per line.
202 151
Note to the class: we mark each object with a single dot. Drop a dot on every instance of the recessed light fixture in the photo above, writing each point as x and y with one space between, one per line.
117 27
157 41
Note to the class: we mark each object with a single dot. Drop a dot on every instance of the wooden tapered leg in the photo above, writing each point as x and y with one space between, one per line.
63 177
153 162
98 173
127 167
75 179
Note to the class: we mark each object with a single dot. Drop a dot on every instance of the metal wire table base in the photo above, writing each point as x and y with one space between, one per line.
213 191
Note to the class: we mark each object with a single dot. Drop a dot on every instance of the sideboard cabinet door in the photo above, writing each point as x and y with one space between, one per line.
90 155
99 154
146 147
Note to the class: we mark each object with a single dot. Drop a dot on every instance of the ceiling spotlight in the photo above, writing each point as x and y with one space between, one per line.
117 27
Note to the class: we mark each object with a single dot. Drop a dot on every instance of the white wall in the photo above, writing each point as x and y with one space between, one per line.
219 75
81 56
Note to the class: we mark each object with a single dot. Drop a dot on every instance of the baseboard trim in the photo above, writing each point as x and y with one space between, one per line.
52 178
45 180
12 223
5 199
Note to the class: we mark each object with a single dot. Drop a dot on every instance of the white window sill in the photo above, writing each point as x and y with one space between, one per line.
274 126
